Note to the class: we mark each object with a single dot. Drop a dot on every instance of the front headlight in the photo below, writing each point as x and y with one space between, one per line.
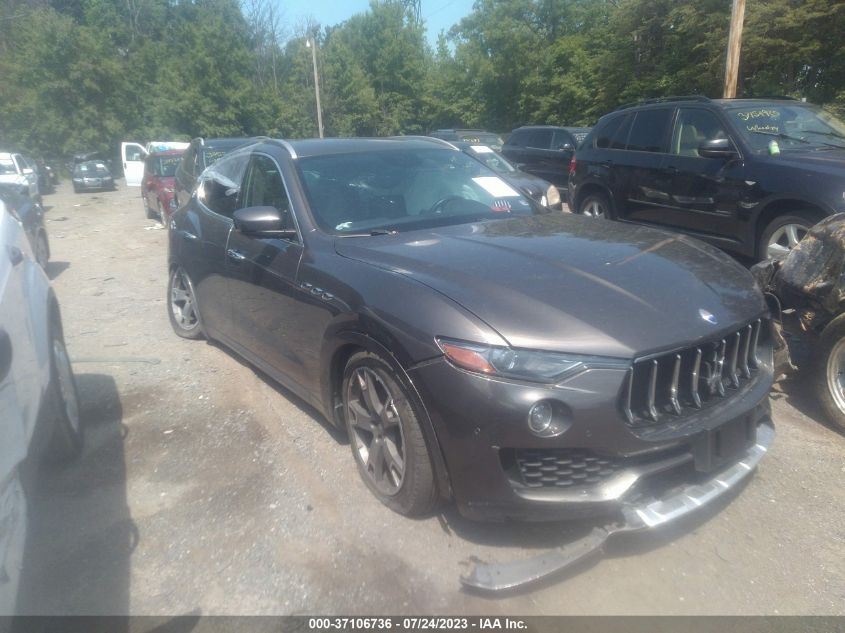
553 196
521 364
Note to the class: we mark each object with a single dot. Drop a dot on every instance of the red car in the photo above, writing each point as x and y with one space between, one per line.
157 185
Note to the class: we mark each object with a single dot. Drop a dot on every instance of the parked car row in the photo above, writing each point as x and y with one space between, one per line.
476 346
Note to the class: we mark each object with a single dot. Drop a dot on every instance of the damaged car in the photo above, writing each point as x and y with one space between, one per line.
807 293
476 346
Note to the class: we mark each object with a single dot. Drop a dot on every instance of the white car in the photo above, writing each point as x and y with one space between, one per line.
38 400
17 170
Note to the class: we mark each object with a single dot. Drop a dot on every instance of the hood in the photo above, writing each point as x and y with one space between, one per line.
573 284
827 161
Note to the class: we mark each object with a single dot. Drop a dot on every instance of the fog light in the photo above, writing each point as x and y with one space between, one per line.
540 417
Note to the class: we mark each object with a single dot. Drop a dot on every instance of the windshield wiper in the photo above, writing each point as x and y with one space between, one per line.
370 233
823 133
781 135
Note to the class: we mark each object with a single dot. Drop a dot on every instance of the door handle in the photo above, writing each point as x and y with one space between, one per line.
186 235
606 163
671 169
15 255
236 255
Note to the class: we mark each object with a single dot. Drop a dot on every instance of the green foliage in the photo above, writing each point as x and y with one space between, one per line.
82 75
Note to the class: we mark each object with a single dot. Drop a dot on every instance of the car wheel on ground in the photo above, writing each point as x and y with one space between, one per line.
595 205
148 211
782 234
828 377
62 402
42 250
386 438
182 305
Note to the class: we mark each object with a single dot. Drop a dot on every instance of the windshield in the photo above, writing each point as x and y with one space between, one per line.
166 165
405 189
91 169
494 161
792 126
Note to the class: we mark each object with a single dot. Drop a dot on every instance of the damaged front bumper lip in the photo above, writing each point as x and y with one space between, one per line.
649 514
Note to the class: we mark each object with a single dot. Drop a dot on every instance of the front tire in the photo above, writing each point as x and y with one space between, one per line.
596 205
783 233
386 438
62 401
828 376
182 305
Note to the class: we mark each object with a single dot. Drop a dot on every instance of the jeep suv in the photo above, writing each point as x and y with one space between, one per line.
747 175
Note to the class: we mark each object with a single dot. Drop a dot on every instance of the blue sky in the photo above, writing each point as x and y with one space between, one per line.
438 14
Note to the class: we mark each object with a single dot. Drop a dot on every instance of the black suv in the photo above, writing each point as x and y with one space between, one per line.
470 136
199 155
544 150
748 175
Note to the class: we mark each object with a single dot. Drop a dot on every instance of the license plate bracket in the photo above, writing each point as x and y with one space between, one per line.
717 447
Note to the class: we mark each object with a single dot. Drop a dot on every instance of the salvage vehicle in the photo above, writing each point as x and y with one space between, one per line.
31 216
545 151
38 401
476 346
16 170
159 189
750 176
92 175
536 188
807 293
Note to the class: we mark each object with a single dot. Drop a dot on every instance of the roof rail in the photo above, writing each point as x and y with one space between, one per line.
287 146
773 97
699 98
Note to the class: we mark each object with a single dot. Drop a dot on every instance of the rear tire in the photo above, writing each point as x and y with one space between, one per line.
42 250
62 401
386 438
596 205
828 375
182 305
782 234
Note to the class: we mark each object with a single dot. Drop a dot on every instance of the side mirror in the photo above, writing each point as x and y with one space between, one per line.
717 148
262 222
27 170
566 147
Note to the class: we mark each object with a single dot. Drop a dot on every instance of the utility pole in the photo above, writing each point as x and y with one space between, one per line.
734 44
311 43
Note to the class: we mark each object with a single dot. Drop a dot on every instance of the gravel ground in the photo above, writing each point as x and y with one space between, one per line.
205 488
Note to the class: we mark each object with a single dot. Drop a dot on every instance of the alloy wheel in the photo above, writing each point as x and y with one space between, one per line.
182 303
377 434
784 239
594 209
836 374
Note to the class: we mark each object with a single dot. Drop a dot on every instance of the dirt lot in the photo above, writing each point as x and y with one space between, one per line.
205 488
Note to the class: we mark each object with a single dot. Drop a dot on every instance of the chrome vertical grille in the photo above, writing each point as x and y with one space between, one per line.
675 384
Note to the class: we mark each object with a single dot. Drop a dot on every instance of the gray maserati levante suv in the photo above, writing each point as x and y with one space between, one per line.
478 348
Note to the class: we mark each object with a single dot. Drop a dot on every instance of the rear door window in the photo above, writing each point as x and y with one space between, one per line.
648 133
540 139
604 136
620 137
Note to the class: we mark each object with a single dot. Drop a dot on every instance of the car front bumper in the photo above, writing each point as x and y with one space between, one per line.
643 514
481 427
